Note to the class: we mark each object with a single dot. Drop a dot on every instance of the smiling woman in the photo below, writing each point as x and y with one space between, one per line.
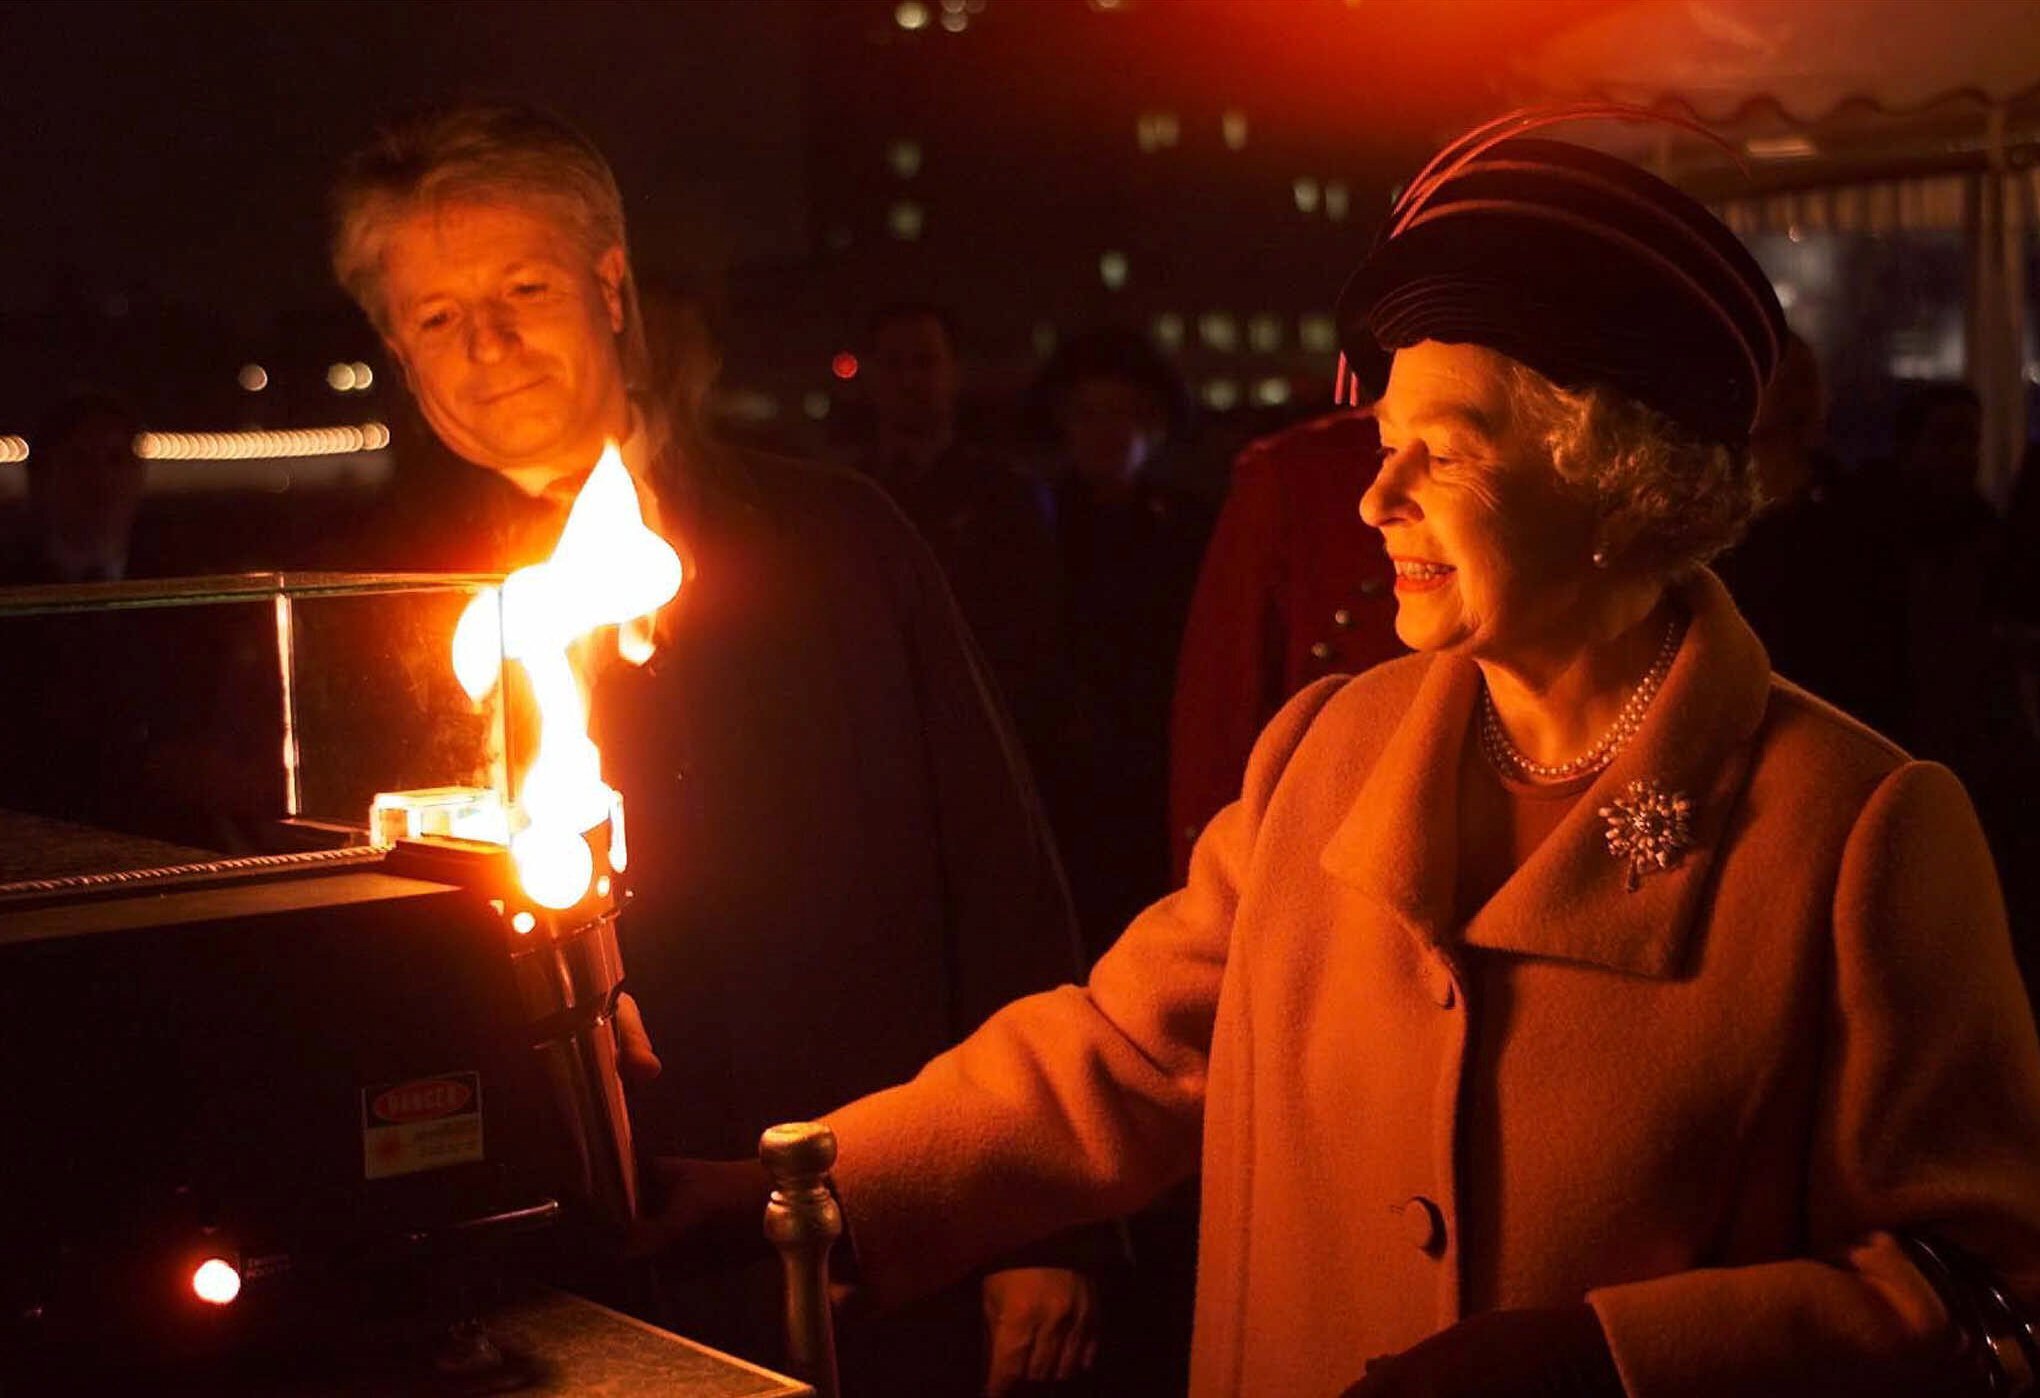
1648 1012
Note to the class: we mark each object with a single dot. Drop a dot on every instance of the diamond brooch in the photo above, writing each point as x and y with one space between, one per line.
1648 828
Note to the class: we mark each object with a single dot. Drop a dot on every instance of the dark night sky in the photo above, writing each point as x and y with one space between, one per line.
184 146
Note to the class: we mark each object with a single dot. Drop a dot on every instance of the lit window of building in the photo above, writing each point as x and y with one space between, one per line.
253 377
1234 125
1306 191
1169 330
905 158
1158 130
905 220
1264 334
955 22
1318 333
910 15
1218 330
1271 393
1112 267
1337 201
749 405
364 377
340 378
1221 395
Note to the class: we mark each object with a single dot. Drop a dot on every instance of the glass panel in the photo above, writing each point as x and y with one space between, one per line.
204 711
1883 311
375 705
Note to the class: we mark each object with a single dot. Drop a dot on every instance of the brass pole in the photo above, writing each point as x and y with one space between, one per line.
803 1221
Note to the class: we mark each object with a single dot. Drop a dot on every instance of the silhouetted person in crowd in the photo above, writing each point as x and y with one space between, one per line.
989 525
1131 545
1961 693
1293 588
1814 576
839 864
683 359
1951 541
84 488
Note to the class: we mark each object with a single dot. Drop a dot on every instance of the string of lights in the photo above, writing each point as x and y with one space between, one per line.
259 445
13 450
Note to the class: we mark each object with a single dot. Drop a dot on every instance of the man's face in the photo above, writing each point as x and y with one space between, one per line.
508 337
1111 428
913 376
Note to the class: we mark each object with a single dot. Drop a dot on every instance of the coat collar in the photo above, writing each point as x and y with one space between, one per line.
1398 843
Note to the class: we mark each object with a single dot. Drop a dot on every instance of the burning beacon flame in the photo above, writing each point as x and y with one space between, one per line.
608 569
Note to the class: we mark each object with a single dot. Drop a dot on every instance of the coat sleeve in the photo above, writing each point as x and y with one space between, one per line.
1229 669
1929 1119
1075 1105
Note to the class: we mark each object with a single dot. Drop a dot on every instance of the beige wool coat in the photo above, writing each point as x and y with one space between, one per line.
1702 1106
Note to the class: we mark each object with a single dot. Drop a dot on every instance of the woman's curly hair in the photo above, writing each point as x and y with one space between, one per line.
1676 501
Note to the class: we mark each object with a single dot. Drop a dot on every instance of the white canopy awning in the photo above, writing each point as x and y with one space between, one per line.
1808 58
1851 115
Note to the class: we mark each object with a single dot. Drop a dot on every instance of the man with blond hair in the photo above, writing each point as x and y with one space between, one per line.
843 867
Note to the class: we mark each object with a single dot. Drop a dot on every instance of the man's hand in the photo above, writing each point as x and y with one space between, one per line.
714 1207
1040 1323
634 1057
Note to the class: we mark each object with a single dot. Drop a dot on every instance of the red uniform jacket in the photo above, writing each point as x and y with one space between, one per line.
1294 588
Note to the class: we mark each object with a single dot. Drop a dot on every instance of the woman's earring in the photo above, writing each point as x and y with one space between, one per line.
1600 556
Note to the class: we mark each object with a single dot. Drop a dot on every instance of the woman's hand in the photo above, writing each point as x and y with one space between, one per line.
1558 1353
1041 1323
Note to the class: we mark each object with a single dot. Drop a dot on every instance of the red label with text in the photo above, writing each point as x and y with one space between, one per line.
423 1124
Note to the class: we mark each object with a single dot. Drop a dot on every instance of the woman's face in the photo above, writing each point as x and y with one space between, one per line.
1492 548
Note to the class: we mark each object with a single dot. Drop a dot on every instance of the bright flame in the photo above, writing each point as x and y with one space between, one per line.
216 1281
608 569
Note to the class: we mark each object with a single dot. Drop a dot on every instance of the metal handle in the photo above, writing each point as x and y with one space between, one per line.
803 1221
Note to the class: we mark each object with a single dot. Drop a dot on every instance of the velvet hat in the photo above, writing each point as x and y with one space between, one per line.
1575 263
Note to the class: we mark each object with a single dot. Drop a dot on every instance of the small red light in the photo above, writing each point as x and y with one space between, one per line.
216 1281
844 365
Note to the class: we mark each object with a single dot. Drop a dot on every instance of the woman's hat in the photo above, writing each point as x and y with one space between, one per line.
1575 263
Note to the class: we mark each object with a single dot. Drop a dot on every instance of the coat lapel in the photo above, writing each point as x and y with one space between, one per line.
1570 899
1398 842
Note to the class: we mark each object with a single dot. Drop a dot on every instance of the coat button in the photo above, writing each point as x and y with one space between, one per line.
1321 651
1438 981
1342 618
1424 1225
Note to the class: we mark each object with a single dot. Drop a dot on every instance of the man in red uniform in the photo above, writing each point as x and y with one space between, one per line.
1294 588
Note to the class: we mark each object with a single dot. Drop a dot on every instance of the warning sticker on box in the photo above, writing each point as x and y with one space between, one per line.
423 1124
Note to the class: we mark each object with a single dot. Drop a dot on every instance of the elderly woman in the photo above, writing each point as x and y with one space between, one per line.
1574 1006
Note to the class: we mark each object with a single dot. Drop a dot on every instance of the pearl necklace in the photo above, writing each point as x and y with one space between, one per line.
1506 758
